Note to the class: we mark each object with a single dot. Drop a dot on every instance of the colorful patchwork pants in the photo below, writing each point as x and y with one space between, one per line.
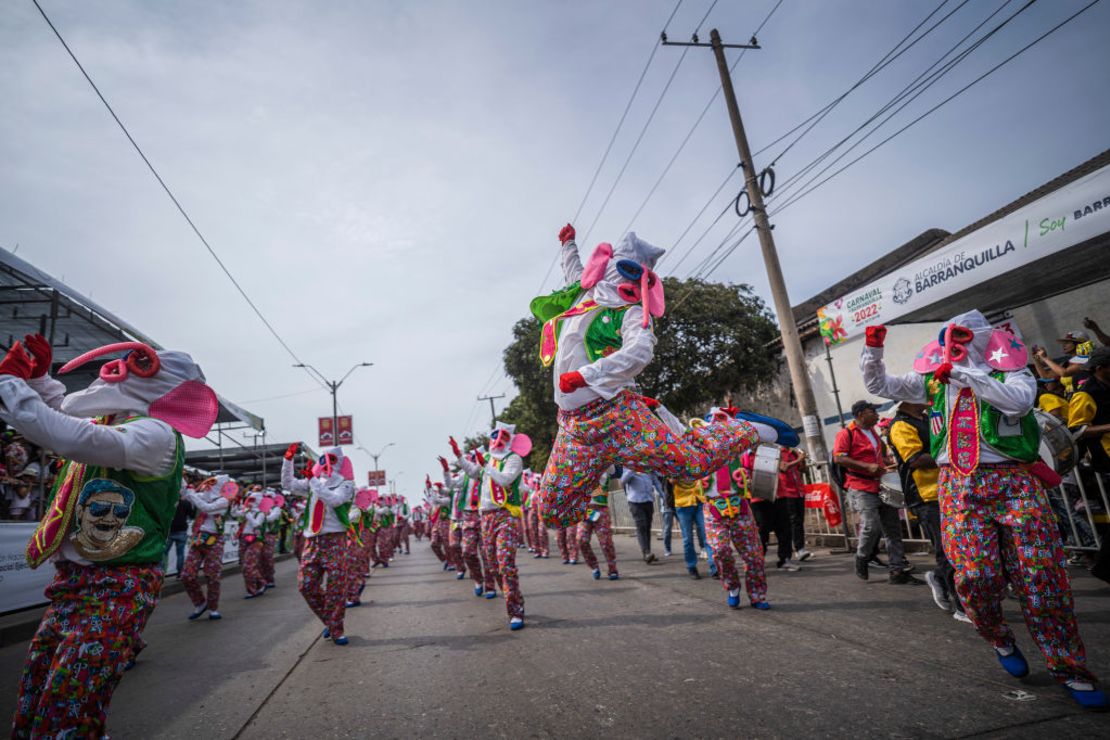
623 430
269 547
501 538
251 563
441 530
567 540
540 538
298 545
76 658
322 578
203 559
999 527
418 530
359 562
526 523
385 545
454 546
739 532
403 531
471 528
604 529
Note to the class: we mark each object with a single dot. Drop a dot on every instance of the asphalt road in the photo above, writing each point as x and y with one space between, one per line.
654 654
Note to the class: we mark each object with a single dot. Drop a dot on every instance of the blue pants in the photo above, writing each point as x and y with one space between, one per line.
175 542
668 528
688 516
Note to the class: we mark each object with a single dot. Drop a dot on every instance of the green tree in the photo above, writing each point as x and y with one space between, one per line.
712 342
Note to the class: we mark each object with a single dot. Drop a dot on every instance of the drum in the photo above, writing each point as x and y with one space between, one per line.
890 490
1057 446
765 473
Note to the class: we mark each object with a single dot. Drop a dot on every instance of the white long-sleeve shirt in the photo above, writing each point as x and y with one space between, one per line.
146 446
213 505
333 492
1013 396
606 376
512 470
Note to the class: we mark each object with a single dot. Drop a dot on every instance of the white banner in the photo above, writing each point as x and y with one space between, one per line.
20 587
1063 218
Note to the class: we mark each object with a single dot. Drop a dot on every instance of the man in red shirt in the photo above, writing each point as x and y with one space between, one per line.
792 499
859 450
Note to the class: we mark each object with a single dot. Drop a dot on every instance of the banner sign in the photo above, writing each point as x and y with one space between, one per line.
327 433
346 430
376 478
1063 218
20 587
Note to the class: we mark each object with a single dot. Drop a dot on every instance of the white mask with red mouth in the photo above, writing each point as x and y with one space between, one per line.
625 275
504 439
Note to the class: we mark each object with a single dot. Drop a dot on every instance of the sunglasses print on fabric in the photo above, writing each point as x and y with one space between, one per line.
99 509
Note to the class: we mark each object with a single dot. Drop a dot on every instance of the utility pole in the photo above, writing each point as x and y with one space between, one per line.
791 343
492 413
333 388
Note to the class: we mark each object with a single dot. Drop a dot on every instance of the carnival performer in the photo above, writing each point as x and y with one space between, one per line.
419 520
107 518
566 538
322 576
730 524
454 535
530 483
440 523
998 523
468 497
252 523
597 520
404 515
212 500
384 510
499 504
598 334
271 532
358 555
295 514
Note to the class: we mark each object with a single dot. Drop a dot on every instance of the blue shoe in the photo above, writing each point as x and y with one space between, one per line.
733 599
271 585
353 604
460 576
597 574
341 640
566 562
131 664
761 605
614 576
787 437
491 594
449 567
516 623
327 634
197 612
253 596
445 566
215 615
1014 663
1088 698
477 590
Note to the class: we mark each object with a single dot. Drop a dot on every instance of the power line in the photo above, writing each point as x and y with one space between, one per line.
731 173
166 188
920 84
953 96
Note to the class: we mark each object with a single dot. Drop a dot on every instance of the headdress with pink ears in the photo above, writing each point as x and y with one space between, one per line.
166 385
625 274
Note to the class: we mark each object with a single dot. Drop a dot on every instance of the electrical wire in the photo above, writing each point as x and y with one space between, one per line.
731 173
169 192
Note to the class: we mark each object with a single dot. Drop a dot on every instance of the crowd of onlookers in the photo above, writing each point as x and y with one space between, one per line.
26 472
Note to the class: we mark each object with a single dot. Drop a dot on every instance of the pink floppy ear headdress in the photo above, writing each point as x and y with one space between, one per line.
266 504
595 268
346 469
1006 352
191 408
651 295
521 444
364 499
141 360
929 358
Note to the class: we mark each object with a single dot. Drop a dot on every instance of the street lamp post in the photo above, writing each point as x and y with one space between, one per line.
333 387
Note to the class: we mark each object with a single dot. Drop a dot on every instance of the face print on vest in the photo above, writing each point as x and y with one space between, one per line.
103 508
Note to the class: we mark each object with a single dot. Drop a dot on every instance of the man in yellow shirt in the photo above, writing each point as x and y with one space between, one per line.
688 500
918 472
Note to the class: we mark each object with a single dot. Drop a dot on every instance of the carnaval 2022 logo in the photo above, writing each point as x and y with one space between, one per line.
865 306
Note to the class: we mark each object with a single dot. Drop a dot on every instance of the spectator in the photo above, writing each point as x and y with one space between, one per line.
666 506
179 535
859 451
793 504
1089 411
688 500
1071 364
771 516
1103 337
918 473
640 490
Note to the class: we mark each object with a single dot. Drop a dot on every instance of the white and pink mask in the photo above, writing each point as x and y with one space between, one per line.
624 275
167 386
504 439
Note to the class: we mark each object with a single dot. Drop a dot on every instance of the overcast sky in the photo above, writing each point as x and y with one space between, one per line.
386 179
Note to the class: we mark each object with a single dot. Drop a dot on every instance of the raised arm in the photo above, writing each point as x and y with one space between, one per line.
572 263
908 387
289 483
333 497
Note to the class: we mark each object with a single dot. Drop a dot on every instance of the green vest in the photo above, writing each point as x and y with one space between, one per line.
122 517
603 335
512 500
1024 446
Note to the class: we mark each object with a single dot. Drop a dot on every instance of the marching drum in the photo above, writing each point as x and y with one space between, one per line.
890 490
765 473
1057 446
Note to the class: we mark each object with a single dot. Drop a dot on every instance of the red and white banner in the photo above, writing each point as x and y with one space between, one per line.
375 478
346 430
327 432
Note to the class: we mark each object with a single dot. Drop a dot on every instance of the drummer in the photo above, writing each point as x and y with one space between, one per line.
859 450
918 473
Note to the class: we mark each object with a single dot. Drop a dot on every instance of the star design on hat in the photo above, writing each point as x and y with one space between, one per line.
1015 344
998 354
934 358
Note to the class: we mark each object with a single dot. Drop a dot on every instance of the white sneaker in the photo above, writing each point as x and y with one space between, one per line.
666 553
940 597
804 554
960 616
791 566
705 554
